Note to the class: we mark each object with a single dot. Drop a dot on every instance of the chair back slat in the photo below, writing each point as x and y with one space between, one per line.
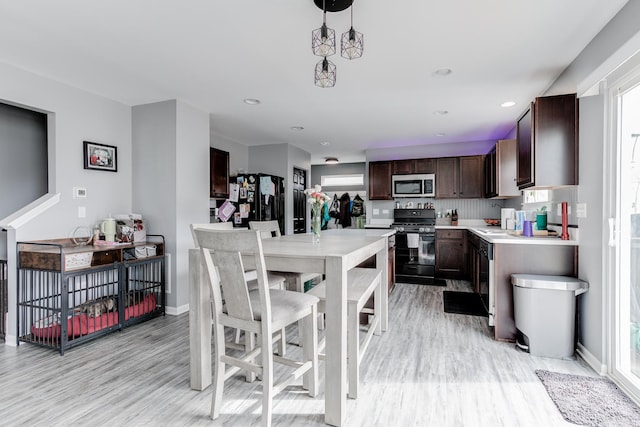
209 226
234 285
267 229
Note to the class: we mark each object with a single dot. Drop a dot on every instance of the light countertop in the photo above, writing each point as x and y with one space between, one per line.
370 232
493 234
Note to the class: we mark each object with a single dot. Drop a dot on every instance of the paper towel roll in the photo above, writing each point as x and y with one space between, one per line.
413 240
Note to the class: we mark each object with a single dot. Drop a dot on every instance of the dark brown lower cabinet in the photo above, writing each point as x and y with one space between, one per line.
451 256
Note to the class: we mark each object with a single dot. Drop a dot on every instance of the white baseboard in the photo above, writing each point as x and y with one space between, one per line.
176 311
591 360
11 340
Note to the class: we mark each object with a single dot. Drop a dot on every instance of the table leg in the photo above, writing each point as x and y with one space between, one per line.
199 324
336 342
382 262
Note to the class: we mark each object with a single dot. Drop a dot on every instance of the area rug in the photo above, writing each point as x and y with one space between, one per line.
463 303
590 401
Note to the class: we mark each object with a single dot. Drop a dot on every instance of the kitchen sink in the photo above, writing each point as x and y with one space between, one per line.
498 232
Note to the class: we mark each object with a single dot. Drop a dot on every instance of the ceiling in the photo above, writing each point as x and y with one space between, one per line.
214 54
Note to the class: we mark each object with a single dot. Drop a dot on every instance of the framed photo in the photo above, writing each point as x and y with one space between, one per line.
100 156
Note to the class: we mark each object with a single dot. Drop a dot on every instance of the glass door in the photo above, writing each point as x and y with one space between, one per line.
625 345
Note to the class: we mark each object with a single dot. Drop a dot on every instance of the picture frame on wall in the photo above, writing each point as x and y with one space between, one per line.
100 156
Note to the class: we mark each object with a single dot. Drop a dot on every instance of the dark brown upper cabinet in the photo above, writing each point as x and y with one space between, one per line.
500 170
547 140
218 173
380 180
404 167
460 177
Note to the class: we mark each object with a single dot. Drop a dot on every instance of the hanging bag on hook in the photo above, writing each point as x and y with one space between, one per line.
357 206
334 210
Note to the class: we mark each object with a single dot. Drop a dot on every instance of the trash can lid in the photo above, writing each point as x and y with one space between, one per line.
541 281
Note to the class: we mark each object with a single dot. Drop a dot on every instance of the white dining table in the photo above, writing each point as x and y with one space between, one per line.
334 256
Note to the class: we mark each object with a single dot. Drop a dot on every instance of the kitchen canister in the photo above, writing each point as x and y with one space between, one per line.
541 220
527 228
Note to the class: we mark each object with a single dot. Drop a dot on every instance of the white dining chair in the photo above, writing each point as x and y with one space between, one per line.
270 229
261 312
361 284
276 281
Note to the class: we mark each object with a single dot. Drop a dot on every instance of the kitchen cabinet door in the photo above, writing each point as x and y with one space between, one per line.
471 181
447 178
403 167
490 173
380 180
425 166
451 256
218 173
547 136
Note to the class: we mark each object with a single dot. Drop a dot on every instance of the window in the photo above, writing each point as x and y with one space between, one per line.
342 180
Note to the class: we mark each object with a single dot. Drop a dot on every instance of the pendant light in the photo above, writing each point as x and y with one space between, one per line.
325 74
352 42
323 39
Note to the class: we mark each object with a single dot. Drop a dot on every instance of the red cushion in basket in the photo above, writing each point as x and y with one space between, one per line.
103 321
145 306
76 326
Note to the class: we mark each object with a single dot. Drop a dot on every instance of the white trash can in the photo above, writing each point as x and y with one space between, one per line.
544 308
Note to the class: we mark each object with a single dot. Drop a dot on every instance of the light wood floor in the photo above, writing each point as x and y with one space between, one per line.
430 369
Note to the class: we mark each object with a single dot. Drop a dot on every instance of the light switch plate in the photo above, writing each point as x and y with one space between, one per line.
581 210
376 211
385 211
82 212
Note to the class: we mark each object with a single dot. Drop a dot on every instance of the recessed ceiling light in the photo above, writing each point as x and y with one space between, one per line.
443 72
441 112
508 104
252 101
439 134
325 143
297 128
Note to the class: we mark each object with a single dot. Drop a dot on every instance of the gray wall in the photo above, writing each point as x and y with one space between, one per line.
171 182
280 159
431 150
592 238
584 72
317 171
23 161
73 116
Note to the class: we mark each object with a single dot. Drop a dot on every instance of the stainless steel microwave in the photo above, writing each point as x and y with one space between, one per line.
416 185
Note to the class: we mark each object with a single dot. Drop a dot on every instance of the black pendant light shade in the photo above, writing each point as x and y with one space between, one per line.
323 41
325 74
352 44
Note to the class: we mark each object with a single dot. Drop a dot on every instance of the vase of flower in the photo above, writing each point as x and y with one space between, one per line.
317 200
316 223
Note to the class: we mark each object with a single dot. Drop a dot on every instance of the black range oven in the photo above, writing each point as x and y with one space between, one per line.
415 245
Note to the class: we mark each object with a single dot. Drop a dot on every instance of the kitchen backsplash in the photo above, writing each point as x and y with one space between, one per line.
486 208
467 208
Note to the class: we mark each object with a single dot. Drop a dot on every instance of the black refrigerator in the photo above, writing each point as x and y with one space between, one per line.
260 198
